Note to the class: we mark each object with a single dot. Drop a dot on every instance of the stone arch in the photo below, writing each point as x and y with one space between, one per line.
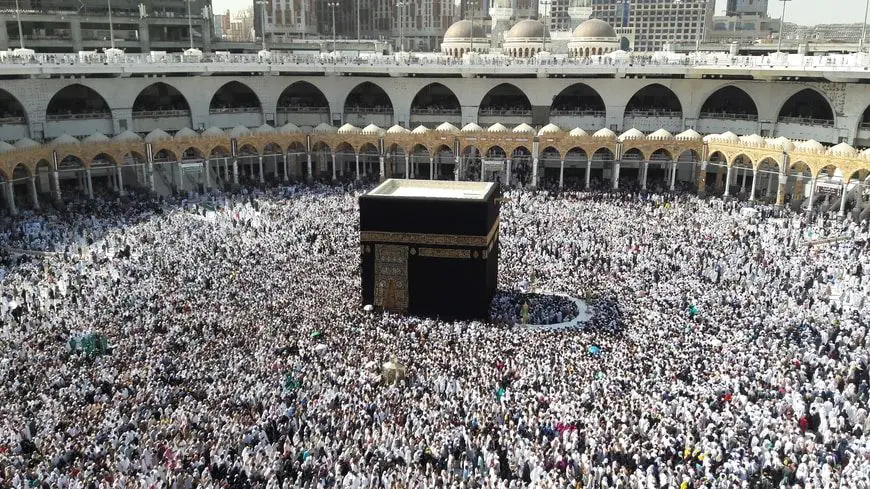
436 96
729 102
76 100
577 99
302 96
654 98
234 95
11 109
367 97
160 97
502 97
807 104
633 154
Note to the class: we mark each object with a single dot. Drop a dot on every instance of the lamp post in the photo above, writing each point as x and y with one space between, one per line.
781 23
401 7
20 30
546 7
473 5
358 22
333 6
262 4
189 24
864 28
111 26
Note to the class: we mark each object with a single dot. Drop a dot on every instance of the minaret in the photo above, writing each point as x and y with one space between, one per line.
578 11
501 12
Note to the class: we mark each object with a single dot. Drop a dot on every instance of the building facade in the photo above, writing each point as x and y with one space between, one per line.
657 23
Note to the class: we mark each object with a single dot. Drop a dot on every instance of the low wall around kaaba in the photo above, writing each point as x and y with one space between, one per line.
430 248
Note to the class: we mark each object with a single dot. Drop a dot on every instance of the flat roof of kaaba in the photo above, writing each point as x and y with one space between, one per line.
433 189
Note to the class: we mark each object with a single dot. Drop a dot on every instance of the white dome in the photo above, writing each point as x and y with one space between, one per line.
843 149
213 131
524 128
549 129
497 127
264 129
348 128
864 154
64 139
728 136
689 135
631 134
397 129
324 127
710 137
4 147
471 127
527 28
239 130
594 28
810 145
578 133
752 139
25 143
604 133
463 30
372 129
661 134
157 135
186 132
96 137
421 129
127 135
288 128
446 127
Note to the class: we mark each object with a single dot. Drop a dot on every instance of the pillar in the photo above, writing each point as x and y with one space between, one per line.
55 185
151 176
843 198
770 184
121 190
75 27
310 167
457 165
334 178
702 179
728 180
588 172
412 165
431 168
262 175
356 159
562 173
34 196
615 176
743 183
284 165
508 164
10 199
206 170
780 191
89 184
235 171
382 167
673 176
812 194
535 172
752 190
797 192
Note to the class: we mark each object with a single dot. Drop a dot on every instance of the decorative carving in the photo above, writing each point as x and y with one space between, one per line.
391 277
430 239
445 253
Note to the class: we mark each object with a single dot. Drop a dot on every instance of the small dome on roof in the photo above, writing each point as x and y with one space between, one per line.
594 28
446 127
348 128
631 134
864 154
549 129
239 130
127 135
397 129
64 139
810 145
288 128
213 131
463 30
4 147
524 128
497 127
264 129
157 135
324 127
527 28
421 129
186 132
781 142
25 143
97 137
728 136
843 149
604 133
661 134
471 127
688 135
752 139
372 129
578 133
710 137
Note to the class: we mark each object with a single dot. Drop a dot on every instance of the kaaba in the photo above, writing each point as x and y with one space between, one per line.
430 247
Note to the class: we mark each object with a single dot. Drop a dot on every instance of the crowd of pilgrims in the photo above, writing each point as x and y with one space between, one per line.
239 354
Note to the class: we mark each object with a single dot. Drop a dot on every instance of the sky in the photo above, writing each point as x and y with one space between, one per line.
806 12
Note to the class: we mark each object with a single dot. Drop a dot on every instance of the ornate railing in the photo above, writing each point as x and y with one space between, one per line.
81 116
729 116
806 121
157 114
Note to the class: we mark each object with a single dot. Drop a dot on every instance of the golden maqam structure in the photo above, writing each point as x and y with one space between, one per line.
303 154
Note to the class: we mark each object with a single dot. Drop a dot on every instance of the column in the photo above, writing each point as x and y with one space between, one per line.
535 172
412 165
509 162
10 199
262 175
206 171
562 173
34 196
55 185
728 180
284 165
333 168
151 176
310 166
89 184
743 183
843 198
702 180
356 158
481 170
588 172
121 181
644 171
235 171
780 190
770 184
75 27
752 190
431 168
382 167
615 175
457 168
812 194
673 176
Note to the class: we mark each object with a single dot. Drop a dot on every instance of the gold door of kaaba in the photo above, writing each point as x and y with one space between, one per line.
391 277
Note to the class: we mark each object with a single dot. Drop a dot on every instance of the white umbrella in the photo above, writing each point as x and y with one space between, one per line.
368 308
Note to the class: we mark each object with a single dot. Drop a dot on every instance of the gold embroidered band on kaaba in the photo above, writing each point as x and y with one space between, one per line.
431 239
